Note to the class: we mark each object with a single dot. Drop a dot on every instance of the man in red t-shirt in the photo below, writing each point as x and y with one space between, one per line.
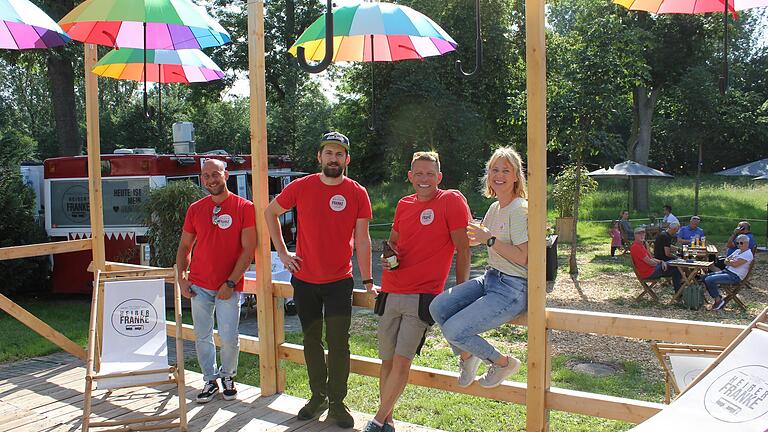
428 227
333 212
647 266
221 227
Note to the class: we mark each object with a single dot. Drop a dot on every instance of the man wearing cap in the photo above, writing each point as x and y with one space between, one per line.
648 267
428 227
690 231
742 228
662 245
333 215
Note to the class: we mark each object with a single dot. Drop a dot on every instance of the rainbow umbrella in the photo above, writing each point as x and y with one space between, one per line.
376 32
154 24
24 26
162 66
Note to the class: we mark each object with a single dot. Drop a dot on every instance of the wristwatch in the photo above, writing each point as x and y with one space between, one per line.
230 283
490 242
368 281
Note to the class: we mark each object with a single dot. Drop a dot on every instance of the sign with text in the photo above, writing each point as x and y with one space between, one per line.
133 331
732 397
123 201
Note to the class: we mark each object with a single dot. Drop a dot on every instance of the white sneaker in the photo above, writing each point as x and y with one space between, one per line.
496 374
468 370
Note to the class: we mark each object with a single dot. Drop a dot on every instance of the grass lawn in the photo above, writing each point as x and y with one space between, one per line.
606 285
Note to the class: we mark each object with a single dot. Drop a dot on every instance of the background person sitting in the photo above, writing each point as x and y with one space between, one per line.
668 216
648 267
690 231
736 269
662 246
626 228
742 228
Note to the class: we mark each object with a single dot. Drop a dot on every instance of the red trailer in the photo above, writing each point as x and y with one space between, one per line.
127 180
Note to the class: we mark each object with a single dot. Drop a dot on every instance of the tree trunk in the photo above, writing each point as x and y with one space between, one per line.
573 268
61 77
698 182
644 103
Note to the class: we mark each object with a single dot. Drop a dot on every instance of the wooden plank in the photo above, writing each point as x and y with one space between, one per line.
38 249
249 344
597 405
258 125
641 327
41 328
94 156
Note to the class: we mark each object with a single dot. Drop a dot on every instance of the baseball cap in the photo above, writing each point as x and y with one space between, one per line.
335 138
639 229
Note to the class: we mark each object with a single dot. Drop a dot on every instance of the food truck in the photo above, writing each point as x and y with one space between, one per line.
127 179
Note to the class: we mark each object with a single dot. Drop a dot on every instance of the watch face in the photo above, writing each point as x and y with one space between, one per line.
230 284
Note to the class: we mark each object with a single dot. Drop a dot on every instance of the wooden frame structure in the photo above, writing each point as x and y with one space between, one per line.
537 394
663 351
94 353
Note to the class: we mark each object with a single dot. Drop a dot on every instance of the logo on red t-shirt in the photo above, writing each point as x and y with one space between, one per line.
427 216
338 203
224 221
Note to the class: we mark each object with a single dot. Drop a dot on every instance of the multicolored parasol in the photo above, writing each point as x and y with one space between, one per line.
24 26
391 32
162 24
163 66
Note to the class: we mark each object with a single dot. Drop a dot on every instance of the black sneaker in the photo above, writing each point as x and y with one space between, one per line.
340 412
230 392
372 427
209 391
313 408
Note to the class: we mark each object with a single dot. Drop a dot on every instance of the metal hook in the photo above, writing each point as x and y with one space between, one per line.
328 45
478 48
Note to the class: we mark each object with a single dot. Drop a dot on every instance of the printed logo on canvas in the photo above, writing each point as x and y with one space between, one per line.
134 318
739 395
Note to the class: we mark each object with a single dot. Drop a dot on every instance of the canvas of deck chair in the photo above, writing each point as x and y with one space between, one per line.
127 344
731 395
682 363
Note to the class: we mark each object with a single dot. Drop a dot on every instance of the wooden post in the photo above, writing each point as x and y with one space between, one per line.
537 416
258 124
94 157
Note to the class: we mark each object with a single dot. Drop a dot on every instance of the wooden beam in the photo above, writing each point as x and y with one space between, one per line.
593 404
41 328
249 344
38 249
266 303
641 327
94 156
537 416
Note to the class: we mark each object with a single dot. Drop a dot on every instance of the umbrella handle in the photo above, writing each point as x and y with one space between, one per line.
300 57
478 48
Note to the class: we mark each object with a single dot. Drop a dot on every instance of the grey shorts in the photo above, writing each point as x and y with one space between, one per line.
401 331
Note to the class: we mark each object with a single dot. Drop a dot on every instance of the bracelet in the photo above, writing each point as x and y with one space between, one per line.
368 281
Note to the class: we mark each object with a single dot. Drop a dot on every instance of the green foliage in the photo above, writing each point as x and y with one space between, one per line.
164 215
18 226
564 192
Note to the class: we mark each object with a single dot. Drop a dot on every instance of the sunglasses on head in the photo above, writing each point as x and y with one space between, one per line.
215 217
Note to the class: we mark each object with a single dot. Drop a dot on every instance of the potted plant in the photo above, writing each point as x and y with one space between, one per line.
565 197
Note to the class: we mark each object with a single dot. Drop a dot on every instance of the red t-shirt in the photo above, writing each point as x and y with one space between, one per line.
424 245
638 251
217 247
326 224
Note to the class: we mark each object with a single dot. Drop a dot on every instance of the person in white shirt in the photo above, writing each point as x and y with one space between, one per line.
736 269
668 216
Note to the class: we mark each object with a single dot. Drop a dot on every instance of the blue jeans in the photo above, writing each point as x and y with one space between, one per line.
204 305
672 272
712 280
478 305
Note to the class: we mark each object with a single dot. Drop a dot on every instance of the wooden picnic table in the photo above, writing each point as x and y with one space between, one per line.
699 251
688 269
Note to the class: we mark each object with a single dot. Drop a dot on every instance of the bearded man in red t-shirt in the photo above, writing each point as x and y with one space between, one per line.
333 212
429 226
221 227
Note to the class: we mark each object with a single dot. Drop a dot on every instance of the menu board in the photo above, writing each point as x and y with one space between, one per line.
123 202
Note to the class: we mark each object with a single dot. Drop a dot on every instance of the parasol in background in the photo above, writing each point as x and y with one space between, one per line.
23 25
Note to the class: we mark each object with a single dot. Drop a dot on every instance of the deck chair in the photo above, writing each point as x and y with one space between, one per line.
730 395
732 290
682 363
127 345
